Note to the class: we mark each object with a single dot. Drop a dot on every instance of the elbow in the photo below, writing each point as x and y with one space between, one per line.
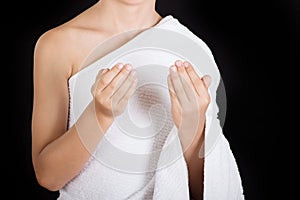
48 182
46 177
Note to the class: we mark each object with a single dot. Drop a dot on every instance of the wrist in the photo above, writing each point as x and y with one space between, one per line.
192 150
104 121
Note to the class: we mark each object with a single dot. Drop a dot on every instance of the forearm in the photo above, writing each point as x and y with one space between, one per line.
63 158
190 99
60 160
196 174
195 162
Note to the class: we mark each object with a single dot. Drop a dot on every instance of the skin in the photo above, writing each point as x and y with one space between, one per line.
189 101
59 153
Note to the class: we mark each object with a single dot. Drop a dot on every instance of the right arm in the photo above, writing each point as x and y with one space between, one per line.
59 153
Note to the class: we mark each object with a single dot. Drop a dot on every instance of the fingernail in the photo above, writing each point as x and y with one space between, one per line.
120 66
128 67
178 63
173 69
186 64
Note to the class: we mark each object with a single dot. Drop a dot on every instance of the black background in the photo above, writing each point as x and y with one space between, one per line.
255 44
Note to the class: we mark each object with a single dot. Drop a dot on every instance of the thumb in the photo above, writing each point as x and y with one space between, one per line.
207 80
100 73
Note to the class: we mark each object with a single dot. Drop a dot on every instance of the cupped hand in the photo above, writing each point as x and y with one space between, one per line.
113 89
189 101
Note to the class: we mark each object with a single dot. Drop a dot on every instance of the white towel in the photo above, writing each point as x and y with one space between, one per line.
124 166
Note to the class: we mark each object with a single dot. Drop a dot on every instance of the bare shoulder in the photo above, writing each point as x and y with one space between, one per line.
65 33
59 39
70 43
53 40
65 46
51 54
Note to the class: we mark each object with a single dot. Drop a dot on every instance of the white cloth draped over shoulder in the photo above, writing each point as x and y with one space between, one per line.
127 167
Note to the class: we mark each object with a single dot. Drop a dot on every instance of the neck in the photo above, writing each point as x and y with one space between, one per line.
120 16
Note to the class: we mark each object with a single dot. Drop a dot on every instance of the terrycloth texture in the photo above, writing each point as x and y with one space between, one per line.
104 177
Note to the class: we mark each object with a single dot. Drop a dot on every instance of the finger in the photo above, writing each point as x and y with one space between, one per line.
101 72
170 87
99 75
124 100
177 85
186 82
117 81
104 79
121 91
173 97
207 80
196 80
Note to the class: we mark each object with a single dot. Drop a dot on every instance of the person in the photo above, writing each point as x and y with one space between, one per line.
59 155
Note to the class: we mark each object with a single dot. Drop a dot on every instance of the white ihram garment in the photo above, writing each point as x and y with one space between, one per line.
104 177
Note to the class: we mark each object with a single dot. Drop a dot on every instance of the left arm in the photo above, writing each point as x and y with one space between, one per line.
189 100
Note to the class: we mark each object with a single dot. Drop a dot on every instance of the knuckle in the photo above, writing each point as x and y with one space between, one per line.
123 72
181 69
191 71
